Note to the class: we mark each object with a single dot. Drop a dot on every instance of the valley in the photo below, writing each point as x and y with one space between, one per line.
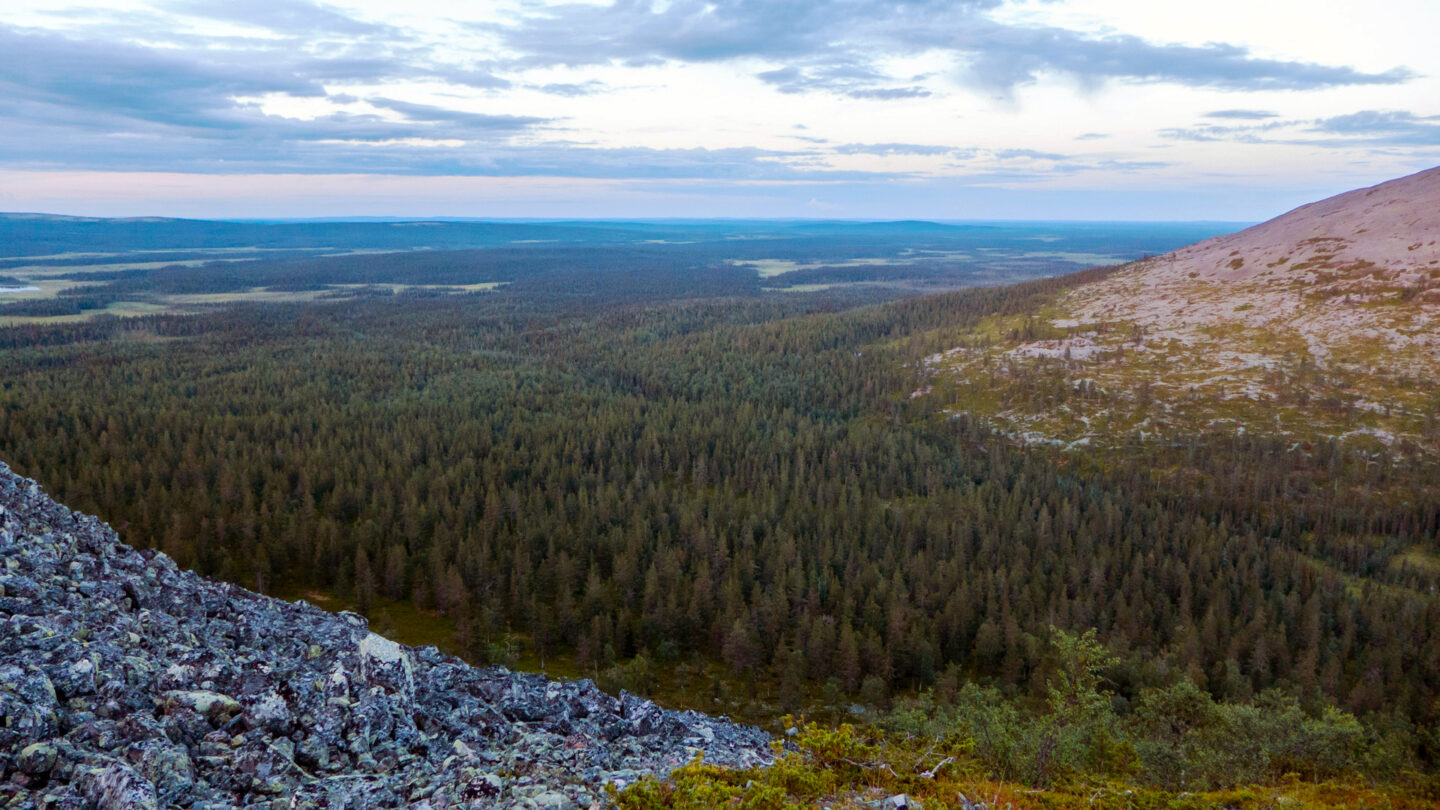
679 484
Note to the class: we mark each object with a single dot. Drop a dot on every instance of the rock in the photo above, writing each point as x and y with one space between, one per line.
219 708
899 801
552 800
270 712
128 683
28 702
118 787
37 758
385 663
168 768
76 678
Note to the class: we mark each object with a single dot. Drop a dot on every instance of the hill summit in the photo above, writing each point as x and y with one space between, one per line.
1321 323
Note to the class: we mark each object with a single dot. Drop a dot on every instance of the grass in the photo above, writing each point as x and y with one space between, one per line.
45 288
842 767
804 288
46 279
41 271
253 295
689 682
191 303
122 309
1417 558
846 768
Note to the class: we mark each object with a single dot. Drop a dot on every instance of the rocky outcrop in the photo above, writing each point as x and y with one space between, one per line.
126 682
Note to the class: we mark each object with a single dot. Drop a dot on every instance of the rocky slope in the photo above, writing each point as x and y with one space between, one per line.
128 683
1322 322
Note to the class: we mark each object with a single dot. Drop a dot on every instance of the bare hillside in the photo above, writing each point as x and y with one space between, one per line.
1322 322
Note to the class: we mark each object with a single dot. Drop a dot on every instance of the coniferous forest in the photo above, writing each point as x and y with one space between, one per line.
708 473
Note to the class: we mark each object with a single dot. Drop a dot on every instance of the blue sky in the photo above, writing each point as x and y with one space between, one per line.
963 109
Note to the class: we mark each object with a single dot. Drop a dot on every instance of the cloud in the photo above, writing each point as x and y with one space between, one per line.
852 79
1242 115
284 16
991 173
887 93
1027 154
94 84
1383 128
106 77
311 40
743 163
425 140
684 30
892 149
86 102
1006 57
1210 133
819 42
959 153
467 120
475 77
1367 128
572 90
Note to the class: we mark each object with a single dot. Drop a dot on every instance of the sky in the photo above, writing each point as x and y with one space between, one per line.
1233 110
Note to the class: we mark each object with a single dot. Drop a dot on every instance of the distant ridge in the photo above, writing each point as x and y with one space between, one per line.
26 215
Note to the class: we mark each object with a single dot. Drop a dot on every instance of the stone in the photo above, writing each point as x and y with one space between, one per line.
37 758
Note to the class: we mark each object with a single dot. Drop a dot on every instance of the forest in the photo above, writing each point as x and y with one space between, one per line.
679 467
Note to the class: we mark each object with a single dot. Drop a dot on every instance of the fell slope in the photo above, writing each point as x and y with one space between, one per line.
1323 322
128 683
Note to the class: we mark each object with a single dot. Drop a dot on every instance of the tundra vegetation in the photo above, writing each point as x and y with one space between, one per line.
686 487
1322 324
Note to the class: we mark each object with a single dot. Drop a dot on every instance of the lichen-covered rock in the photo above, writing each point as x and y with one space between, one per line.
384 663
28 701
37 758
128 683
220 708
118 787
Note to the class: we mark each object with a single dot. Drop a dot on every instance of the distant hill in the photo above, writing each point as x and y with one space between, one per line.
25 237
36 235
1323 322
